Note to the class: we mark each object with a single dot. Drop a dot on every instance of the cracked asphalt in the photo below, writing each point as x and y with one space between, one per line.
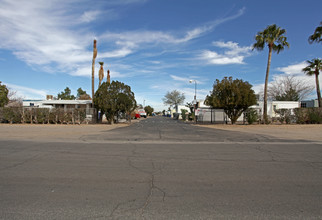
160 168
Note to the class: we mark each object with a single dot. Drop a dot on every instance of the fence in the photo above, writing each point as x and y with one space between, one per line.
35 115
213 116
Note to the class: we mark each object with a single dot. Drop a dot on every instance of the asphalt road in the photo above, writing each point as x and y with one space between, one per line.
159 168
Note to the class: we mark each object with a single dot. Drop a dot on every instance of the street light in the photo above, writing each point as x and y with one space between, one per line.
190 81
195 99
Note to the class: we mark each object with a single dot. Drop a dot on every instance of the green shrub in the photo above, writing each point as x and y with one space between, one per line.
251 116
183 113
315 115
308 115
301 116
11 114
285 115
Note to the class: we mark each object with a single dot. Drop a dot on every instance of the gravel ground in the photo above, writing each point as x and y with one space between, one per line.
299 132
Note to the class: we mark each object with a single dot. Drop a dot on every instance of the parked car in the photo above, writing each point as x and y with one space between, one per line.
142 113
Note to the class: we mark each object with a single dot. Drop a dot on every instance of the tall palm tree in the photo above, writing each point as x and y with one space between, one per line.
317 35
274 38
314 67
93 70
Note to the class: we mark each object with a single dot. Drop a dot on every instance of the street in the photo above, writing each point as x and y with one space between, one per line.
160 168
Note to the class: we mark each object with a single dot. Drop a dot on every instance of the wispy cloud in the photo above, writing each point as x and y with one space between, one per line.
89 16
294 69
45 35
233 54
48 35
23 92
134 39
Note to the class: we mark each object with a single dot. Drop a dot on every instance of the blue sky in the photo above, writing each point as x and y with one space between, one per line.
154 46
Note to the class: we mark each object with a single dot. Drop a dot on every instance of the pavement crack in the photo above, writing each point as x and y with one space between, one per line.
119 205
147 200
270 153
20 163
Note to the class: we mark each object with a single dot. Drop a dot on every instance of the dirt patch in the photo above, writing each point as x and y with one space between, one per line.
52 132
298 132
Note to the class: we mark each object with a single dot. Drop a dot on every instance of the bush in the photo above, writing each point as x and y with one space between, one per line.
285 115
11 115
183 113
42 115
191 116
301 116
315 115
308 115
251 116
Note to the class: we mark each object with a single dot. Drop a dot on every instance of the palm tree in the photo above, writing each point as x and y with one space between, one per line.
93 70
274 37
314 68
317 35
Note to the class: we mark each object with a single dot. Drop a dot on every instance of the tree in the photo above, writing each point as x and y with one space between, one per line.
3 95
82 95
274 37
149 110
234 96
114 98
66 95
174 98
288 88
314 67
317 35
93 69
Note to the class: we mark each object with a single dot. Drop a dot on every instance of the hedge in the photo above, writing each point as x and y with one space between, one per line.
42 115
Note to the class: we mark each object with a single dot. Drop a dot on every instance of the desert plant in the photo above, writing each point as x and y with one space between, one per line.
251 116
301 116
315 115
11 115
183 114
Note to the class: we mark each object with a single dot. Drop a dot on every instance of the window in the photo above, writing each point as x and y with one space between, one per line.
303 105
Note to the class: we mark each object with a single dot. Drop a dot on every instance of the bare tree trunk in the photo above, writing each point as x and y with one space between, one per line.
266 83
318 88
93 70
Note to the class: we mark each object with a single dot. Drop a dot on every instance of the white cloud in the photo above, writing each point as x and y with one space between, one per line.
134 38
186 80
24 92
295 69
48 35
233 55
292 70
89 16
181 79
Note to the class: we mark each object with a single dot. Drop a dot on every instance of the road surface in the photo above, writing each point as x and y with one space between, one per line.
160 168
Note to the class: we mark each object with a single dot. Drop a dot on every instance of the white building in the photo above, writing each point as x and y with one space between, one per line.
272 106
206 114
65 104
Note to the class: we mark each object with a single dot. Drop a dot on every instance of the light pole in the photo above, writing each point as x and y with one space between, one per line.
195 98
190 81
